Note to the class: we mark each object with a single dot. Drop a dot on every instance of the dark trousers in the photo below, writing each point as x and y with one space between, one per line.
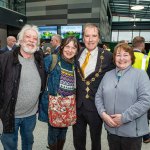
124 143
94 121
56 134
147 136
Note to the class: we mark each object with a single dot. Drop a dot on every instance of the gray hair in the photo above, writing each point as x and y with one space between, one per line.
58 37
10 37
24 29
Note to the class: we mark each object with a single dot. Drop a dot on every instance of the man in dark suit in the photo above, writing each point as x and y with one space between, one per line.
11 44
92 63
55 43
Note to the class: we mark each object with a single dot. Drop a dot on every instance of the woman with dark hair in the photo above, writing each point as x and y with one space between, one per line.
60 84
122 101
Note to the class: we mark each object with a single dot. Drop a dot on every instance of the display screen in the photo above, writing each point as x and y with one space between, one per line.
67 31
46 32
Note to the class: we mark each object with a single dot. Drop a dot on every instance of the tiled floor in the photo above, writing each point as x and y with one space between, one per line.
40 135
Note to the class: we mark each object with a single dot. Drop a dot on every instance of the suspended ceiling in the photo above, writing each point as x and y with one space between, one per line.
123 8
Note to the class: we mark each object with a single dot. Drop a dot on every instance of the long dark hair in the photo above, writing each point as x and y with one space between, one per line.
67 41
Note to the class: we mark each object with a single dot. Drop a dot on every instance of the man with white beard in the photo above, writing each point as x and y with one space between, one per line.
21 82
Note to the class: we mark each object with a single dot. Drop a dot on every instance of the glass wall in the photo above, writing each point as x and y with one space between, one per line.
127 19
146 35
114 36
15 5
4 3
118 35
125 35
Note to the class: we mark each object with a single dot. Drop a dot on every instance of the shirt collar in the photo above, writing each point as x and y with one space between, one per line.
9 48
123 71
57 46
136 50
93 52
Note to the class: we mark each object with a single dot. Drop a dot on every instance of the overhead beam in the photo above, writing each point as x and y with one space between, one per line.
144 25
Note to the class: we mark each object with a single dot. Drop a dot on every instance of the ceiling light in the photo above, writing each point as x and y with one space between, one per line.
135 19
137 7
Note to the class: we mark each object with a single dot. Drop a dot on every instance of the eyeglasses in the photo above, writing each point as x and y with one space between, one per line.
69 47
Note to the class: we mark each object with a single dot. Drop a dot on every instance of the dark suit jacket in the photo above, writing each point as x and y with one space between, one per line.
5 49
56 51
107 65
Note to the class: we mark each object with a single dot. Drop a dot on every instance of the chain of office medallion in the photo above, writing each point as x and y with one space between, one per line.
88 82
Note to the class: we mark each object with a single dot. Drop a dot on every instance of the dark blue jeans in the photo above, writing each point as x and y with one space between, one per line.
26 125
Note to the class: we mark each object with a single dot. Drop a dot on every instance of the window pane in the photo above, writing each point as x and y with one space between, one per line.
125 35
115 18
146 35
114 37
135 33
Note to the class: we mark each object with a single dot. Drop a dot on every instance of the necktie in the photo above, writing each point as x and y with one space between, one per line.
85 62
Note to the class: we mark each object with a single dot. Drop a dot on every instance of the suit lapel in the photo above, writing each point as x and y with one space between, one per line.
97 64
98 60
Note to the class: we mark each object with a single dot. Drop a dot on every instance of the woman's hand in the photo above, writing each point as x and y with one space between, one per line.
117 119
108 120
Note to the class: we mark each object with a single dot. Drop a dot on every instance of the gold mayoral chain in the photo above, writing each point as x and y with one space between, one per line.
88 82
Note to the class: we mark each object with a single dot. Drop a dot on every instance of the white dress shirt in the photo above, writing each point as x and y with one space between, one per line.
91 63
9 48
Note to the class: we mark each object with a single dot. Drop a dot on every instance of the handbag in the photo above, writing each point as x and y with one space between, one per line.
62 111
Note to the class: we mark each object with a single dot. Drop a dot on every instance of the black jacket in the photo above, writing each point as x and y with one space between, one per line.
10 70
89 104
5 49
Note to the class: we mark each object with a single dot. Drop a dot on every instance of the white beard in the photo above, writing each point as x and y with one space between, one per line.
27 50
